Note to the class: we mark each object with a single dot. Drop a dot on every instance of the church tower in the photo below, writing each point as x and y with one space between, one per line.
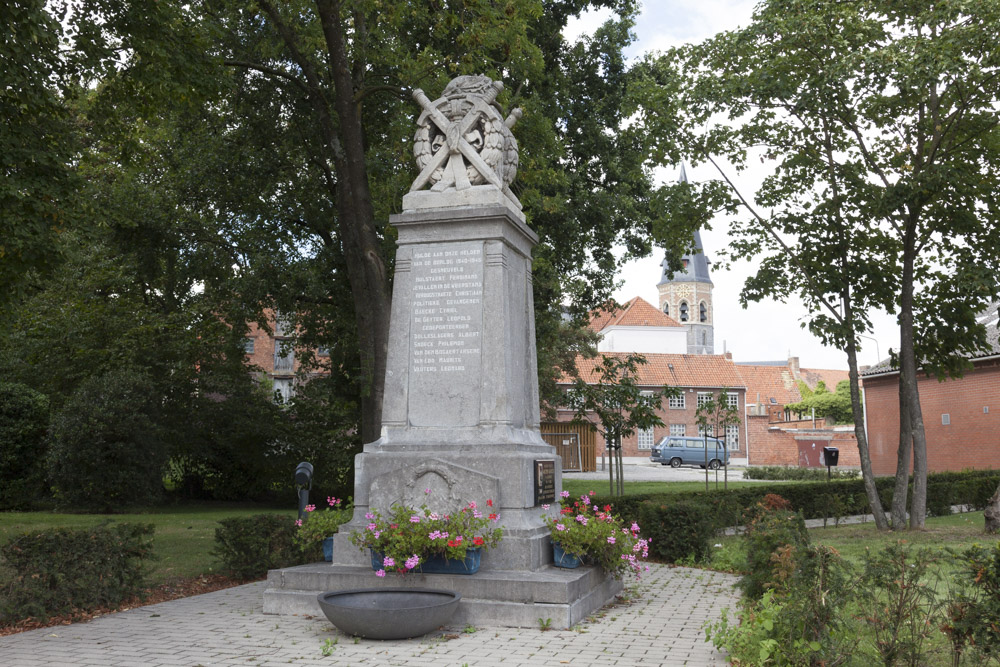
687 296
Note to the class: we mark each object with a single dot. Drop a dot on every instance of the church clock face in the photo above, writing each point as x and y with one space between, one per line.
684 291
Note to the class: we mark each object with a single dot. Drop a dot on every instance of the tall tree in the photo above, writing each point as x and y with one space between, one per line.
305 116
876 123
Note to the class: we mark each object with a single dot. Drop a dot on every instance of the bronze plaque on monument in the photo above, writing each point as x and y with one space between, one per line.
545 481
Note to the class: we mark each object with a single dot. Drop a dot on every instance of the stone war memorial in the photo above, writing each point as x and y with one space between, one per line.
460 412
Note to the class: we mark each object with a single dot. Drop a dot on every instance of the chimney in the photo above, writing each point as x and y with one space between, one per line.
793 366
729 355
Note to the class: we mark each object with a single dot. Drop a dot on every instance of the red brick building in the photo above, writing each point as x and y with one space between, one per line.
961 415
274 355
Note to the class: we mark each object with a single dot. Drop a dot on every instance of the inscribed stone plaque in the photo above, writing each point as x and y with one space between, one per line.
446 334
545 481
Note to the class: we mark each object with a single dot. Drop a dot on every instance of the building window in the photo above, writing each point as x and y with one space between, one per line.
704 338
645 436
733 436
702 431
703 312
283 389
284 358
666 309
684 311
322 352
679 430
676 402
733 400
704 397
248 345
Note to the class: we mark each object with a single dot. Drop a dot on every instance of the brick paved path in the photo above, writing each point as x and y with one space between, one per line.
662 626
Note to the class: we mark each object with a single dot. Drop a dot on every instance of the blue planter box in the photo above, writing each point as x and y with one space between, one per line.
439 564
328 549
562 559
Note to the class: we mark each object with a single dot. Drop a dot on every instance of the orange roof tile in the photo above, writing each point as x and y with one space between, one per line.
770 382
676 370
636 312
830 377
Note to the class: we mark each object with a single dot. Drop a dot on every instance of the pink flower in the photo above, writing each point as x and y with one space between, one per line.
545 506
564 494
477 514
434 516
611 539
369 516
585 499
298 522
560 527
372 526
635 527
414 519
388 561
472 505
310 508
380 573
427 490
582 519
332 502
412 561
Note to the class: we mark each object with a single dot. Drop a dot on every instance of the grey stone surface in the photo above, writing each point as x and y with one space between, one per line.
661 625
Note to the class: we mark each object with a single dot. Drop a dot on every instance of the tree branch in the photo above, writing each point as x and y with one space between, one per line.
269 70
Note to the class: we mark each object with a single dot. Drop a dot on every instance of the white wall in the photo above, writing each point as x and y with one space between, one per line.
662 340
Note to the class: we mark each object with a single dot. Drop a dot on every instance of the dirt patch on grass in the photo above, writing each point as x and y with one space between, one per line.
162 593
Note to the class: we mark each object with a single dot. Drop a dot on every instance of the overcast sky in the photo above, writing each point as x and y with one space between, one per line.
767 330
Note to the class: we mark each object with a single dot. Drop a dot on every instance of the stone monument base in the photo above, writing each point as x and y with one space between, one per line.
507 598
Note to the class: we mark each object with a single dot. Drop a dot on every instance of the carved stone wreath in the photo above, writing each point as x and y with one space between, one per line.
462 140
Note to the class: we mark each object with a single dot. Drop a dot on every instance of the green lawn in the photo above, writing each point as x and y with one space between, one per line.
184 535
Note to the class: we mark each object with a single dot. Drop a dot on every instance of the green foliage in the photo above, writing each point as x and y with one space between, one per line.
770 525
107 450
321 524
598 536
973 609
834 406
802 620
897 603
407 536
797 474
24 418
63 570
677 530
247 547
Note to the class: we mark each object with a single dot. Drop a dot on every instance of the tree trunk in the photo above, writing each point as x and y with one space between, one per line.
908 392
901 488
366 268
857 411
992 513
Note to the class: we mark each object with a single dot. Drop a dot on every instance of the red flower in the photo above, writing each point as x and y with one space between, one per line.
607 508
457 542
591 493
477 541
493 517
489 503
566 510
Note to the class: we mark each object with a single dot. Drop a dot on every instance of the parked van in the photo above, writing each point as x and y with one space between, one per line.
676 451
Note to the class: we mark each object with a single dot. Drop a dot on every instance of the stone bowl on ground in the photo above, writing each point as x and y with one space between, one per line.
389 613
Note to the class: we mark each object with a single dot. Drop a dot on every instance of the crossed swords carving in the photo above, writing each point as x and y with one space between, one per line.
456 145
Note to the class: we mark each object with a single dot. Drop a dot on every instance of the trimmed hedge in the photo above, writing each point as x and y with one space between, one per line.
24 420
817 500
798 474
677 529
64 570
248 547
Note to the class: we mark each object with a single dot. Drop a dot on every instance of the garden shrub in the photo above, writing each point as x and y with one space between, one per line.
248 547
770 526
973 610
107 452
24 419
802 620
62 570
899 607
678 530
